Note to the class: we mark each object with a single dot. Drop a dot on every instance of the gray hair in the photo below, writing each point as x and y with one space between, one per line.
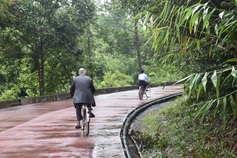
82 71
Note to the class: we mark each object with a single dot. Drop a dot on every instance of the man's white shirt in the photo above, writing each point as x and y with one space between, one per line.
142 77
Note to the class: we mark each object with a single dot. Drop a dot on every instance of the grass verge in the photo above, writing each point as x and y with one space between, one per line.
174 132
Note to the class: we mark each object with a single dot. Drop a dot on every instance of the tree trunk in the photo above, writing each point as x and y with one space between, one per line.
40 67
89 51
138 45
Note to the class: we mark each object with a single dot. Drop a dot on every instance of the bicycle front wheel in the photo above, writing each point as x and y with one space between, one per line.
85 122
86 128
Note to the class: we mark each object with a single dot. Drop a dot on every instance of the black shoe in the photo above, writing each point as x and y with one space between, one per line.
91 114
78 126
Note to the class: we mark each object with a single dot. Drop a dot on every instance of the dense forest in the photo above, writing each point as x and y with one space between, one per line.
44 42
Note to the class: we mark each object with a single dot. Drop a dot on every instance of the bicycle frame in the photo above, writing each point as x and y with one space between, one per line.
142 92
85 122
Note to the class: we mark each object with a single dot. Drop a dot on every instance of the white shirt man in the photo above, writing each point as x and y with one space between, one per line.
143 79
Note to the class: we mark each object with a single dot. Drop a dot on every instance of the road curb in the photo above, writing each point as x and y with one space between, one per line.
129 145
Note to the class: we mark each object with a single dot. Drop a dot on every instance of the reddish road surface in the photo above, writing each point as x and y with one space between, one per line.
47 130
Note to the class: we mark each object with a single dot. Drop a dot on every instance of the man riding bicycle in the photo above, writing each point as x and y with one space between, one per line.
82 90
143 79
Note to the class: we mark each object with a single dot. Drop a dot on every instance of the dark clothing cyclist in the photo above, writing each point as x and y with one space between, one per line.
82 90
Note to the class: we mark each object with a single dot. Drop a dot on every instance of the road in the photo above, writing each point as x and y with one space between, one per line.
47 129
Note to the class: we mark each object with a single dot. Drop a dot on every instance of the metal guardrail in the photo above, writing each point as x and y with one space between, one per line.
130 147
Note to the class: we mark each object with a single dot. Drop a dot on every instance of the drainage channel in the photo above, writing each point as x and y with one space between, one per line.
129 145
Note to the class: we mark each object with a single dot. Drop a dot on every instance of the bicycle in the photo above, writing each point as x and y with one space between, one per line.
85 122
143 91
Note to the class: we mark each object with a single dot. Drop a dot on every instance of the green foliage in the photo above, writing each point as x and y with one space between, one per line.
4 10
179 26
114 44
160 72
10 94
46 34
202 37
133 6
218 92
174 132
28 78
46 43
116 79
114 33
112 63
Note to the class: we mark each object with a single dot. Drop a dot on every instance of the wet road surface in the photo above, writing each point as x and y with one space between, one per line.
47 130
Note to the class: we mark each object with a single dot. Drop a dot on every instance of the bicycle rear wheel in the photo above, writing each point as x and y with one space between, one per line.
140 92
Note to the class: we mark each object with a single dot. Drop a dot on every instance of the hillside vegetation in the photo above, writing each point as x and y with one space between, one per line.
174 131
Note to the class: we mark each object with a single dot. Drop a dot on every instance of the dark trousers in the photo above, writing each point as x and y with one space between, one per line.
143 84
78 107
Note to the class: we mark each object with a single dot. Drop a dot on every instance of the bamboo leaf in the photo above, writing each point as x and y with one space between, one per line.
164 9
187 15
193 21
199 90
216 29
231 100
217 107
184 79
232 60
204 81
203 111
221 15
224 29
216 82
210 50
205 6
205 13
218 86
198 44
224 109
214 79
186 43
206 20
226 79
196 8
235 109
167 35
191 86
193 83
233 72
233 105
233 82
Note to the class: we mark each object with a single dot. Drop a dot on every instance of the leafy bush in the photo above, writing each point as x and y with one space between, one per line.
161 73
116 79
